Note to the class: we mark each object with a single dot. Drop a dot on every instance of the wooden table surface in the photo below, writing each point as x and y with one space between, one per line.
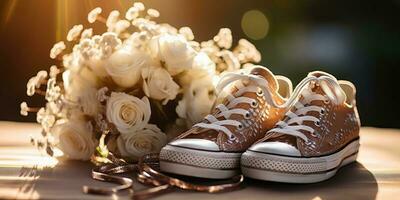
26 174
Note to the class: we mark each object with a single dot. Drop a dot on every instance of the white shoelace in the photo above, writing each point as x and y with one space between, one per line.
294 124
260 87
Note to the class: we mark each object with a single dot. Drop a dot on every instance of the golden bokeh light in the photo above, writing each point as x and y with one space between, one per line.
255 24
67 13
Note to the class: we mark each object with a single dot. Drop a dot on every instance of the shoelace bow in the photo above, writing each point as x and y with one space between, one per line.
293 125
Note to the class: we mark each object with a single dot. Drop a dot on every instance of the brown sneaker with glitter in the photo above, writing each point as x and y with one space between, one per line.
212 148
319 135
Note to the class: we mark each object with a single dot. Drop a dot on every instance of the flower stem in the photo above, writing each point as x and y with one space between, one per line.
33 109
40 92
101 19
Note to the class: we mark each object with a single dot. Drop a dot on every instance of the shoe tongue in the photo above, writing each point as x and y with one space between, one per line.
319 74
267 75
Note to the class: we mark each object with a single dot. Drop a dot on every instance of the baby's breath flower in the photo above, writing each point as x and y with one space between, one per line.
54 71
149 27
41 75
247 52
57 49
102 94
35 82
224 38
135 40
139 22
96 39
48 122
74 60
153 13
166 28
87 33
121 26
74 32
195 45
108 42
101 122
132 13
54 107
211 49
92 16
67 60
31 86
24 109
208 43
40 115
139 5
53 90
85 47
231 60
109 39
187 33
112 18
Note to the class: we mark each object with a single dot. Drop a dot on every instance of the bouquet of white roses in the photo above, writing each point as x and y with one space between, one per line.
132 88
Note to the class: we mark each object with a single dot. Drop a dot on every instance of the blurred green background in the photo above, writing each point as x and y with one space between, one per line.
354 40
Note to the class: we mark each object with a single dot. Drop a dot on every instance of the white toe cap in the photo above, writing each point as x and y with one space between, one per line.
196 144
280 148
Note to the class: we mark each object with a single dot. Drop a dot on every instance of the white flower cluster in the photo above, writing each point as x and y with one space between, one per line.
124 88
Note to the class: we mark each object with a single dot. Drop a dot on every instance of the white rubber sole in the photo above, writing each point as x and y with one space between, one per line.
285 169
199 163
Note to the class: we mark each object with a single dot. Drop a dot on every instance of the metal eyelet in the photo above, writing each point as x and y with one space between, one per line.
317 123
313 135
240 127
245 82
254 104
314 84
322 111
232 137
327 101
247 115
260 92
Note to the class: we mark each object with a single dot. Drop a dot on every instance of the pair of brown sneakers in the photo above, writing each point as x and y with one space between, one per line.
267 131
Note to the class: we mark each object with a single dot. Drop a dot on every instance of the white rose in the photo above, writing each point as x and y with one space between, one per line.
124 66
203 67
197 100
128 113
148 140
75 139
175 51
158 84
203 62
